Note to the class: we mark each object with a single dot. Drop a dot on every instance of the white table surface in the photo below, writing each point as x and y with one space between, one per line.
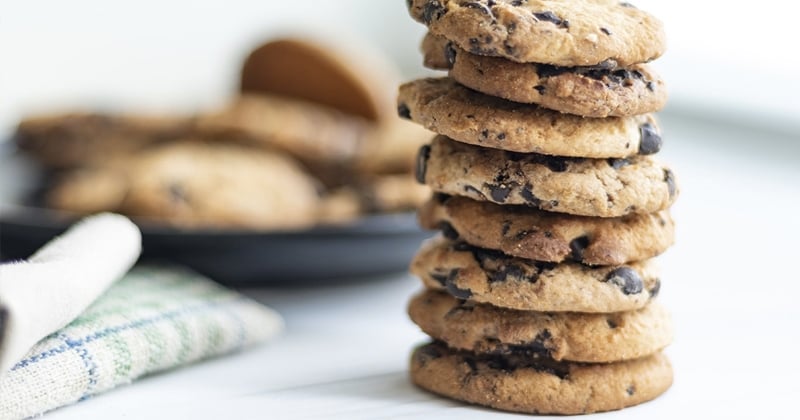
731 281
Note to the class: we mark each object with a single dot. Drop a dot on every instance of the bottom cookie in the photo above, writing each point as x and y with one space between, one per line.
539 386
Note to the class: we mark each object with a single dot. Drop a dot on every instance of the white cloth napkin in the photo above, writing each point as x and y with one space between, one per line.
55 285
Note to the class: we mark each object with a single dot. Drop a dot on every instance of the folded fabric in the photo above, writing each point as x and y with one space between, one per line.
59 281
155 318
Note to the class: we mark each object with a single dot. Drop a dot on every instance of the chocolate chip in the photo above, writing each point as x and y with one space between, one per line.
439 277
499 193
506 227
403 111
577 246
501 136
669 178
518 2
631 390
656 288
627 279
485 134
651 141
605 31
454 290
448 231
651 86
432 10
506 271
611 323
626 4
450 53
549 70
422 163
618 163
549 16
527 194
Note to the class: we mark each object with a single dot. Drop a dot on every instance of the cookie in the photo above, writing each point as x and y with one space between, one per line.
196 185
578 337
590 91
391 148
312 133
70 140
553 237
352 77
446 107
586 187
563 33
487 276
376 194
523 384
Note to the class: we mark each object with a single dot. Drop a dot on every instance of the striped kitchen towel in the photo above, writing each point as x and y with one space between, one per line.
153 319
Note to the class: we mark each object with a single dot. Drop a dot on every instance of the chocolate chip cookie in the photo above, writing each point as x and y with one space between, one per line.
482 328
488 276
590 91
520 383
585 187
192 185
446 107
562 33
553 237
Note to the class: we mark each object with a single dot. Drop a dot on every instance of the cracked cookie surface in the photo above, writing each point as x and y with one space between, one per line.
446 107
559 32
585 187
539 386
544 236
487 276
590 91
572 336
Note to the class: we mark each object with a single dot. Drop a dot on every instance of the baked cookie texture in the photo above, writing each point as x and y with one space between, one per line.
580 186
590 91
566 33
481 328
488 276
189 184
552 237
448 108
519 383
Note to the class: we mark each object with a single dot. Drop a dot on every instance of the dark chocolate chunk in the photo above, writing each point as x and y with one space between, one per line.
403 111
656 288
501 136
450 53
626 4
631 389
450 285
611 323
627 279
422 163
617 163
578 245
527 195
440 278
651 141
549 16
605 31
506 227
432 10
669 178
499 193
518 2
448 231
651 86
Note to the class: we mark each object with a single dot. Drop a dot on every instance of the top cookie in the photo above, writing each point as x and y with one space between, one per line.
559 32
589 91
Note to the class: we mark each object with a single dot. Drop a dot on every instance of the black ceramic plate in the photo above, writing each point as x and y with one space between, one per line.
373 245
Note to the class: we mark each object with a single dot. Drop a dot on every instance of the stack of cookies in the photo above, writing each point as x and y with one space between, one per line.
540 289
